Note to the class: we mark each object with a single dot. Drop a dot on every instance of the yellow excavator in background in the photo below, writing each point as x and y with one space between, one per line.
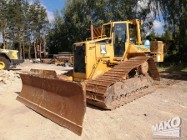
109 70
8 58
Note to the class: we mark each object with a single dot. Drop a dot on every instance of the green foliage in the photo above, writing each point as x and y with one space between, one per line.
153 36
21 21
173 67
174 13
3 11
167 35
74 24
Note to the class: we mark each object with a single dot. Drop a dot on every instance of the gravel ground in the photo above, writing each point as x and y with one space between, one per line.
131 121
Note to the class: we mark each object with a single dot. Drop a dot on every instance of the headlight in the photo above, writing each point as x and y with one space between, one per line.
103 49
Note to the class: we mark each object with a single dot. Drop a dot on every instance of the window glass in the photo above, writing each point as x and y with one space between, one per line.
132 34
106 30
119 39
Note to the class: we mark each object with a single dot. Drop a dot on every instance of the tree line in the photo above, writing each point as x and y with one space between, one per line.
23 26
72 23
174 13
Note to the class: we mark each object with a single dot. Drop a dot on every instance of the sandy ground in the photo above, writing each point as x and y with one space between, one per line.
129 122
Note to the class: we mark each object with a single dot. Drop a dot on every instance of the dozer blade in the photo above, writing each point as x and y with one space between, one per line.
64 102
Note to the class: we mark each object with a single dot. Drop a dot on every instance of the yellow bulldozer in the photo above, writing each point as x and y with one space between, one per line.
109 70
8 58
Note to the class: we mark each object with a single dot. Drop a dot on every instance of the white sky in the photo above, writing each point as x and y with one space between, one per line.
157 25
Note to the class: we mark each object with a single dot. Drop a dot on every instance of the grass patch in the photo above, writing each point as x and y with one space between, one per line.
172 67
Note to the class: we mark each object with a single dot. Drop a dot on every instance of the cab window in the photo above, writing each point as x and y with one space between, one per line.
132 34
106 30
119 39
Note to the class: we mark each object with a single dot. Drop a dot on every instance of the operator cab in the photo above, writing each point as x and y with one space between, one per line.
120 33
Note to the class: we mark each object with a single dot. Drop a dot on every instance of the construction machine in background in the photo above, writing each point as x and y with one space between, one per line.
62 58
8 58
109 70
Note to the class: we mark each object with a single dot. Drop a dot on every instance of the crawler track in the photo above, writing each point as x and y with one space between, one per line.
117 86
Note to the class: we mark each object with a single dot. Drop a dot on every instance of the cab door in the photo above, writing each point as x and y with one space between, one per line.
119 39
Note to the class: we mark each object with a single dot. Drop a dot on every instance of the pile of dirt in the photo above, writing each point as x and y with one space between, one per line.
8 76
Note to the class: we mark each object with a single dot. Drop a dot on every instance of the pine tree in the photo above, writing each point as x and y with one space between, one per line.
3 21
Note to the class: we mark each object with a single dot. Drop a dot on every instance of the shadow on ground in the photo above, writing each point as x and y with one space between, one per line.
17 92
14 69
94 107
174 75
